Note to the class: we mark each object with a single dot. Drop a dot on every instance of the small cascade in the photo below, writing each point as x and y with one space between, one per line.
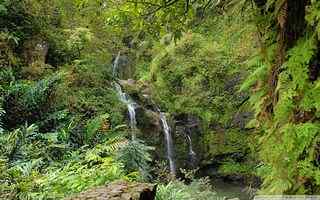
192 156
115 66
125 98
131 105
191 152
169 143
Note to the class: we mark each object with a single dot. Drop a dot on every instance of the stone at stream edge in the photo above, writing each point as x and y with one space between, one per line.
119 190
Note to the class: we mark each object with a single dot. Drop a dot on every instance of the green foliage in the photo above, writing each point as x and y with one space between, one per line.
24 152
15 17
297 151
42 166
77 122
27 102
237 168
313 16
79 39
136 157
177 190
296 139
229 142
289 126
96 125
90 92
77 175
191 76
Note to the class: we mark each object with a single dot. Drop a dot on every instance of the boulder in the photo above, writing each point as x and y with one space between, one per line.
119 190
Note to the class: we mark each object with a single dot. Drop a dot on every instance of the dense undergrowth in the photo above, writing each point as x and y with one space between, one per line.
63 129
200 76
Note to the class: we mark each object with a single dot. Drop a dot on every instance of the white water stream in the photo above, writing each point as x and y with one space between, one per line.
169 143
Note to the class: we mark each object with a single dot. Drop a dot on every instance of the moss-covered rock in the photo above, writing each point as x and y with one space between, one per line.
119 190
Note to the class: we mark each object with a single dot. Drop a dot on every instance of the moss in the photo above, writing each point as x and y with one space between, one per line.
225 143
229 168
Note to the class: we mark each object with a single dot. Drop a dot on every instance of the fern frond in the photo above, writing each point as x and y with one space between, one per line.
116 146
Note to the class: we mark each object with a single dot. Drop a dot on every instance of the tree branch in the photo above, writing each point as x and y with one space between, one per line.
144 3
166 4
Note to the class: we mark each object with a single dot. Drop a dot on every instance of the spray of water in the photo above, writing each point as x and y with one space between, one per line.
169 143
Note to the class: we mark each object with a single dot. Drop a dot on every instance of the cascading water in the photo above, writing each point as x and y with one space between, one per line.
191 154
131 105
115 65
169 143
125 98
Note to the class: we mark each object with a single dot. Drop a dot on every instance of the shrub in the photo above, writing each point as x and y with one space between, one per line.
177 190
25 102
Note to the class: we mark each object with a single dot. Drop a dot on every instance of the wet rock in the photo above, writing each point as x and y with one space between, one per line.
148 121
129 82
125 68
187 139
119 190
128 41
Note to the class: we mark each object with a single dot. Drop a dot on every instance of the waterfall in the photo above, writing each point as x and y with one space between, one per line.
191 154
131 105
125 98
169 143
115 65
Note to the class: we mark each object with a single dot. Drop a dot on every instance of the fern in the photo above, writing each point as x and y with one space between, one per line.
24 102
258 75
136 157
198 189
114 146
284 153
298 61
97 125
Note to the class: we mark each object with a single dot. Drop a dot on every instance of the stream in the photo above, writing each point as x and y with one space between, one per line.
229 190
